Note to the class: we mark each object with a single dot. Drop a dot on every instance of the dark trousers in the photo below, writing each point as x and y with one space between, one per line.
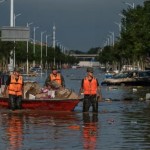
15 102
88 119
90 100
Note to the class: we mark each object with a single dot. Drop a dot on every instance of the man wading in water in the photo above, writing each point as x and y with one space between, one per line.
92 92
14 84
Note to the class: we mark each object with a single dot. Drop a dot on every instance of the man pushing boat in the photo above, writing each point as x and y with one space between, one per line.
14 85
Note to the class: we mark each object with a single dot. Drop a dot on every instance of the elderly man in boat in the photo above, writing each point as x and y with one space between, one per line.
54 76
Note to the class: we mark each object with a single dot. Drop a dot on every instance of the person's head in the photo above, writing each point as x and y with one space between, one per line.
16 71
54 70
90 71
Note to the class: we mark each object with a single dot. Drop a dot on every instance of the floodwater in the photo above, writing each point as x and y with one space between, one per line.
123 122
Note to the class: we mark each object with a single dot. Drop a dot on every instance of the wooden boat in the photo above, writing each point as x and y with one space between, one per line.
45 104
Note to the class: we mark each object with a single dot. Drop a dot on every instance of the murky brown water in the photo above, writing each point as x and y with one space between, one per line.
123 122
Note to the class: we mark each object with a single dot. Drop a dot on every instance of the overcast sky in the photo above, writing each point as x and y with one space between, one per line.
80 24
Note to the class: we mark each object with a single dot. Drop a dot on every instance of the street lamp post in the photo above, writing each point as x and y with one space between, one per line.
34 29
42 47
14 24
123 16
113 38
110 39
28 24
11 61
46 48
124 20
54 42
119 25
11 13
15 16
129 4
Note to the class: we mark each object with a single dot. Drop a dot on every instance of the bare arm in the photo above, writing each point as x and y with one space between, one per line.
81 88
99 92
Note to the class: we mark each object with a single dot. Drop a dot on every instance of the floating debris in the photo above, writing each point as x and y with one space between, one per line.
134 90
108 99
141 99
147 96
74 127
110 121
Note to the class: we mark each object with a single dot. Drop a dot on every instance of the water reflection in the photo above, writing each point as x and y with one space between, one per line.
15 131
24 128
90 131
135 124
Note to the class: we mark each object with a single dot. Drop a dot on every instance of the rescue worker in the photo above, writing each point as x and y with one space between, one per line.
91 90
14 84
55 76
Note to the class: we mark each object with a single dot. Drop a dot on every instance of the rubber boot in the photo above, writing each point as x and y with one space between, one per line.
95 105
95 117
86 118
86 105
11 102
18 102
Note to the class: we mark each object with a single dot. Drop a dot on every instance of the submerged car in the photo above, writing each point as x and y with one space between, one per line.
132 78
36 69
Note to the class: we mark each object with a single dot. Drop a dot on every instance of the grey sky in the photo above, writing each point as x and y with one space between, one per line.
80 24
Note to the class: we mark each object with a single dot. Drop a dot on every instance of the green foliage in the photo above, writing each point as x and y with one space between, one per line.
93 50
133 44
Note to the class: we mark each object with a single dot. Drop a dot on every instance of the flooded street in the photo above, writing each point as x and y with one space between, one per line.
121 124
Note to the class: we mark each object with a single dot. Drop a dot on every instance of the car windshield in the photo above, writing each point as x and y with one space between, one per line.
35 69
144 74
121 75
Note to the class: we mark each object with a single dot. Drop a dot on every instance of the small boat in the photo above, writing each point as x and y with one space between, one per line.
67 105
44 103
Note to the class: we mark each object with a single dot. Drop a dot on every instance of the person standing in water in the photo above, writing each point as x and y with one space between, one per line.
14 85
92 91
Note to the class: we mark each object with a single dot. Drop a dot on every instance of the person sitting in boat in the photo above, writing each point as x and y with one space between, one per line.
14 84
92 91
54 76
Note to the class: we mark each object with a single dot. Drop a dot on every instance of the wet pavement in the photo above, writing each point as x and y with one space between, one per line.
121 124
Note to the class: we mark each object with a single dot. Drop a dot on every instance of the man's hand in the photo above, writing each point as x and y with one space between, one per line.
4 93
99 98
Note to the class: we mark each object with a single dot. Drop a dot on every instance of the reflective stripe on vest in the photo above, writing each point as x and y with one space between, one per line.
15 87
56 78
90 87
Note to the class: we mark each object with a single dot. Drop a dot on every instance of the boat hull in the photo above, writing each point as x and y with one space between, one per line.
46 104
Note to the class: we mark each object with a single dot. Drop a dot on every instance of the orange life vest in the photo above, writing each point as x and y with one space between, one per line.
56 78
90 87
15 87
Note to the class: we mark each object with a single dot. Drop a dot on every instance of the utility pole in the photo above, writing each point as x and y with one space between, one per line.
11 61
54 42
